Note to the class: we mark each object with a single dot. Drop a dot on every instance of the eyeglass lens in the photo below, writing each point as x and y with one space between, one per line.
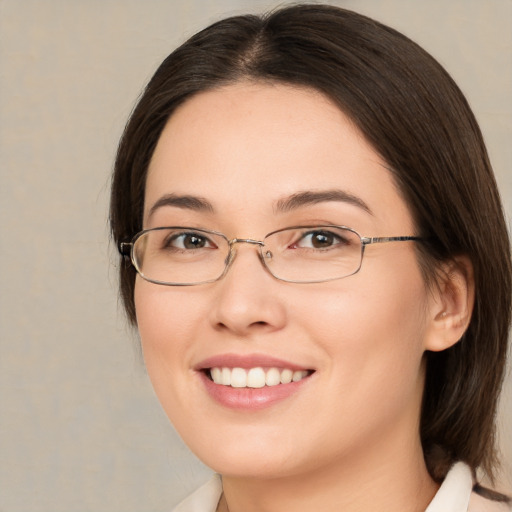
299 254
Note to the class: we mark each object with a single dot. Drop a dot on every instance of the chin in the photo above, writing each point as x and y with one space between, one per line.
250 467
247 460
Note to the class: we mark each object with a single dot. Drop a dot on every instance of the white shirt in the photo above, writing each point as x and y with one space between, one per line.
454 495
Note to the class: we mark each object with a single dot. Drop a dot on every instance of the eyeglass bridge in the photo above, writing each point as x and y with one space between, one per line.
245 241
267 254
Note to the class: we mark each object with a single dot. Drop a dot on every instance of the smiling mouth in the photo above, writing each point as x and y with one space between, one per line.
257 377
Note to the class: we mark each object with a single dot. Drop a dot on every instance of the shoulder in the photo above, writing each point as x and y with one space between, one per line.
205 499
478 503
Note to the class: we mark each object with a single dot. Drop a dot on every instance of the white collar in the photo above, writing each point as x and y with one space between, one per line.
455 491
453 495
205 499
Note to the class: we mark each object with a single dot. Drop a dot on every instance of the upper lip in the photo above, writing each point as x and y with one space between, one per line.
246 361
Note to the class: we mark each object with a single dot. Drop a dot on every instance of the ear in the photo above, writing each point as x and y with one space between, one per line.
451 306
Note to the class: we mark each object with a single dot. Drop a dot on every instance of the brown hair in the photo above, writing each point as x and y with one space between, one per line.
415 116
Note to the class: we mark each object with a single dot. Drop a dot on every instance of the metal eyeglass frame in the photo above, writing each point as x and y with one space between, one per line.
126 249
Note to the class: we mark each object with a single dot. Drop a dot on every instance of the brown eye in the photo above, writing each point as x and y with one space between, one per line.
319 240
189 241
193 242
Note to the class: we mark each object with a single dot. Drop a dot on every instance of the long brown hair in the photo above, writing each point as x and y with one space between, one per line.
415 116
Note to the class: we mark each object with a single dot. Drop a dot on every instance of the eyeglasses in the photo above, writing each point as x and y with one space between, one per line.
184 256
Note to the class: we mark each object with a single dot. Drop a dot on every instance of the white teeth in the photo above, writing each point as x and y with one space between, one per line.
299 375
217 375
273 377
226 376
286 376
238 378
255 377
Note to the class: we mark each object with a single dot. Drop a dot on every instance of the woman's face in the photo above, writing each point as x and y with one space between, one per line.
244 150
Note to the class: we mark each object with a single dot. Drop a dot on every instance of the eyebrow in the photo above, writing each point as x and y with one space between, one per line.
308 198
293 202
187 202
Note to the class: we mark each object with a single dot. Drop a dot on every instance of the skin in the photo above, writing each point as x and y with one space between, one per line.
348 440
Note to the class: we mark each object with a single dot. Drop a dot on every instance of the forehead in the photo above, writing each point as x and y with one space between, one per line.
249 145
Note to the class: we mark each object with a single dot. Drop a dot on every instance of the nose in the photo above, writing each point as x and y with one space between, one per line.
247 299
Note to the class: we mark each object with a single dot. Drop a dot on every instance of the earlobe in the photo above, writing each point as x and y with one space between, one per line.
452 304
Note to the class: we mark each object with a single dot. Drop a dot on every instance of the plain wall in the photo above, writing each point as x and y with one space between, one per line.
80 427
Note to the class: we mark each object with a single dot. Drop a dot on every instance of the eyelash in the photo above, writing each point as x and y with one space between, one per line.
168 242
204 242
335 239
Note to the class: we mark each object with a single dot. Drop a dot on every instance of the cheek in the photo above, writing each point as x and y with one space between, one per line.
164 324
369 314
169 321
373 344
165 315
372 336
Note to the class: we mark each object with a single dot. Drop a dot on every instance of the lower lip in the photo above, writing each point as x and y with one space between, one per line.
250 399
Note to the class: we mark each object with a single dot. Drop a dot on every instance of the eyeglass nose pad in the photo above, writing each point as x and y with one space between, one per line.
266 255
266 258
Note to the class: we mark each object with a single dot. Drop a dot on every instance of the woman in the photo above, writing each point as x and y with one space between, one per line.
318 265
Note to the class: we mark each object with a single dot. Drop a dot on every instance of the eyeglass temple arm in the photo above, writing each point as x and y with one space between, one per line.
382 239
125 248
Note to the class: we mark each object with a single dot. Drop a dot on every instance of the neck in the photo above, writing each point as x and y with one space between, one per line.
383 480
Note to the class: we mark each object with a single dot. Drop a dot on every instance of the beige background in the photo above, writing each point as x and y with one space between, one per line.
80 428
